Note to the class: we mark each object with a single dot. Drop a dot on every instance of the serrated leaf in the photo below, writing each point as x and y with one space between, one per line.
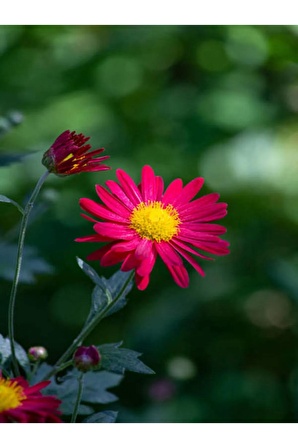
102 417
32 263
94 390
116 359
11 201
5 355
106 291
89 271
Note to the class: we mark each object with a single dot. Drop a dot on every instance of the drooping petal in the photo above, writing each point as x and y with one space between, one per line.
168 254
180 275
191 261
178 244
142 282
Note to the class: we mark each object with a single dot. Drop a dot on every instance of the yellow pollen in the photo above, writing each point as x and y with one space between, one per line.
11 394
155 221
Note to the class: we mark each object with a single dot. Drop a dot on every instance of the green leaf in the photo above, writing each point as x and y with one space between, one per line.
102 417
89 271
94 389
5 355
32 263
105 291
116 359
11 201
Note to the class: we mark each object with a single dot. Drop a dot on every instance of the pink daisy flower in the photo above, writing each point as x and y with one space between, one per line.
21 403
142 222
68 155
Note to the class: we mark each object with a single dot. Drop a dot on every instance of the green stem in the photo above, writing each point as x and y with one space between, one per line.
78 400
13 293
86 331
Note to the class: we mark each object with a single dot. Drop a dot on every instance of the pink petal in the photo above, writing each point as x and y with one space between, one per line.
148 184
111 257
177 244
168 254
180 275
129 187
191 233
99 253
88 217
172 191
208 199
129 263
207 213
147 264
101 212
114 231
127 246
114 204
192 261
159 187
119 193
92 239
144 248
142 282
189 191
211 229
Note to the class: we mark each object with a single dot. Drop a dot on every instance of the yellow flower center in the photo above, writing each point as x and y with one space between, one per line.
154 221
11 394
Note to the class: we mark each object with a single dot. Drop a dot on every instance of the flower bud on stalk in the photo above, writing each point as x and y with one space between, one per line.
69 155
37 353
86 358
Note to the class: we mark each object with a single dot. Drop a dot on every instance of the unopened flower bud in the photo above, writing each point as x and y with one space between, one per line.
69 155
37 353
86 358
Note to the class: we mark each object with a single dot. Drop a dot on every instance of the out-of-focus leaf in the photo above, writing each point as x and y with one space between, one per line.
102 417
116 359
5 355
32 263
11 201
9 159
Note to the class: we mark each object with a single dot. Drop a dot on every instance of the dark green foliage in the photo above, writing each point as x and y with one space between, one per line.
116 359
5 356
102 417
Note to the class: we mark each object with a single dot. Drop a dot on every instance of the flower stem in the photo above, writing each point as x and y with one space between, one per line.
86 331
13 293
78 400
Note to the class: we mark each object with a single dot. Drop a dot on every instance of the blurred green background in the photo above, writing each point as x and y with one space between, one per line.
214 101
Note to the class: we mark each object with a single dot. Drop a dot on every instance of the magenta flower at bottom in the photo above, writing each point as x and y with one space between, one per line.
21 403
142 222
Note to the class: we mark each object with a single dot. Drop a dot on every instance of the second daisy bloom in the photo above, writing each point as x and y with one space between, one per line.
141 222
